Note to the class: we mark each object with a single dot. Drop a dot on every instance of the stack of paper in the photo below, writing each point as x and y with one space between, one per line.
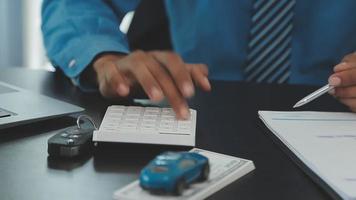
324 141
224 170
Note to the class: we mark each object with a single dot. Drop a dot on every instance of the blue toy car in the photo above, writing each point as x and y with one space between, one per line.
171 172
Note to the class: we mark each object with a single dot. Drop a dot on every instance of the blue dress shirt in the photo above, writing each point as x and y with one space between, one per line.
214 32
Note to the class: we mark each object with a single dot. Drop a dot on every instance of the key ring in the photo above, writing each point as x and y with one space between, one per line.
80 117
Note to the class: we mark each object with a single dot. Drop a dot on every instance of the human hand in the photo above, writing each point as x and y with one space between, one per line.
161 74
344 80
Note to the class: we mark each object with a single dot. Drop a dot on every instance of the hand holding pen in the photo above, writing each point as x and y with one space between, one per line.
344 81
342 84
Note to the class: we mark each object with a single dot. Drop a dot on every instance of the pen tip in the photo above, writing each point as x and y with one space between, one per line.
298 104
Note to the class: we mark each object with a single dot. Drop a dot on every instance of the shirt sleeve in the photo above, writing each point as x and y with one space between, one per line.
75 32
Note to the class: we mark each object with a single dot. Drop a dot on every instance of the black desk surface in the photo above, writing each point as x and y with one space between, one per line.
227 123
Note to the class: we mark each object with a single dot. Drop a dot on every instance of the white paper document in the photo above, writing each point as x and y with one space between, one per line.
324 141
224 170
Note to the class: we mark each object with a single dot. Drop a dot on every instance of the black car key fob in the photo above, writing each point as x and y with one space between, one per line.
72 142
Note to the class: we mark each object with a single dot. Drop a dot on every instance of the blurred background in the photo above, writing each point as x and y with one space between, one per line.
20 34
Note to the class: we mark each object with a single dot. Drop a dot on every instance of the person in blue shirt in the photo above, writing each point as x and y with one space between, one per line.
286 41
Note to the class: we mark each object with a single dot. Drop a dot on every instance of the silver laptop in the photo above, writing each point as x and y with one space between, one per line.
19 106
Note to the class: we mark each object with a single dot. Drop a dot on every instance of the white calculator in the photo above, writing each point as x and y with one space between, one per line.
147 125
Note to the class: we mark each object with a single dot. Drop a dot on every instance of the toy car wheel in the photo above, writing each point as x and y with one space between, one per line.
179 188
205 172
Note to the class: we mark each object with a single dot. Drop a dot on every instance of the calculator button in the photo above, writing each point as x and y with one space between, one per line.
148 122
134 122
151 112
117 108
184 123
109 124
109 129
167 125
132 117
173 117
74 136
134 110
165 121
180 127
167 111
129 126
115 121
152 109
149 118
115 115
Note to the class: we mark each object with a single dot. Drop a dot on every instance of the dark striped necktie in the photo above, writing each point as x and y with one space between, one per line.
269 48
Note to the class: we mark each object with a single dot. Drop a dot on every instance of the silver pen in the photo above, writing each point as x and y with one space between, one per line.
314 95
